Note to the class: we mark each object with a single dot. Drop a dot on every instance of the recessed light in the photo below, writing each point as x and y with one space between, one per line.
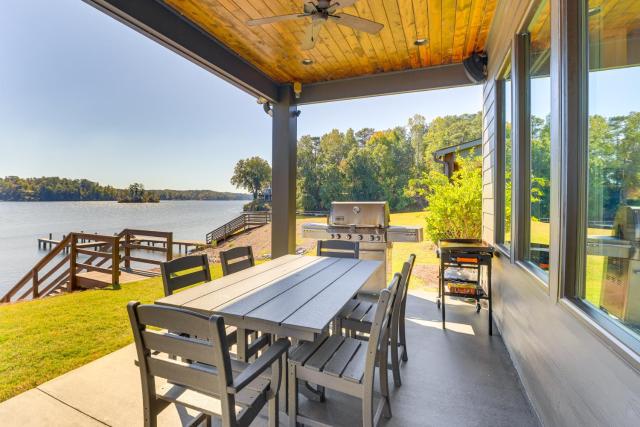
307 61
420 42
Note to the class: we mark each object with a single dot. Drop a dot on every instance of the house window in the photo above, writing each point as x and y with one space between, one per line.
507 154
611 285
536 251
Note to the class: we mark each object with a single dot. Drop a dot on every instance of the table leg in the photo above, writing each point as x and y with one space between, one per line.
242 344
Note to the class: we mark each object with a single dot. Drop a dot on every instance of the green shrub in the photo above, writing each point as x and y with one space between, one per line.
455 205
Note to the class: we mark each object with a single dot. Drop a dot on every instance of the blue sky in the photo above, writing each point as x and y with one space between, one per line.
84 96
81 95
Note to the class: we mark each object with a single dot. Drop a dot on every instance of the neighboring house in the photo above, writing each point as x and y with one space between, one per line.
447 156
265 194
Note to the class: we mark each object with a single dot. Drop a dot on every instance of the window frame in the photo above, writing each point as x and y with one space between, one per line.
500 188
521 182
575 116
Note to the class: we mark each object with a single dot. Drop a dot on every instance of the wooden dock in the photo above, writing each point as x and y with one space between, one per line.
186 245
97 279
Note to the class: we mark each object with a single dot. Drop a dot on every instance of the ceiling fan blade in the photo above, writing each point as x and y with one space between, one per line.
357 23
309 7
339 5
278 18
311 34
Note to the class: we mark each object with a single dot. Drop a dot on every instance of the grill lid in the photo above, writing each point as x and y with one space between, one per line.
359 214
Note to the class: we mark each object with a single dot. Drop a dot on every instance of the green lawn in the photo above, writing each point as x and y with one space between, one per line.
40 340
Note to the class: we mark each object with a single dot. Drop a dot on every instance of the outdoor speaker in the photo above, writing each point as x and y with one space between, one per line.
475 67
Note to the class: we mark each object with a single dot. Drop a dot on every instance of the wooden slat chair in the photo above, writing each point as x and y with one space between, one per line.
203 377
357 317
338 249
236 259
347 365
188 271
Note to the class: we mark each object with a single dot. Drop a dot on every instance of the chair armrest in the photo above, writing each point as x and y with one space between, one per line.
271 355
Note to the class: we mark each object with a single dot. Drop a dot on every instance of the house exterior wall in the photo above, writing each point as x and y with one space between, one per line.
572 372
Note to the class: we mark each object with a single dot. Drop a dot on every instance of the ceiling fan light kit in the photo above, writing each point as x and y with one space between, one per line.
321 12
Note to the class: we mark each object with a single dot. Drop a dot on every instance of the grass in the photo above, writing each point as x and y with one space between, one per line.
40 340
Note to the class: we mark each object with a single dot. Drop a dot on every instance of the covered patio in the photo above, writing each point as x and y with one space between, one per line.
555 358
458 377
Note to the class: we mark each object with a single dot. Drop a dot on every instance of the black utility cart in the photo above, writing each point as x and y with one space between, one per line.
462 263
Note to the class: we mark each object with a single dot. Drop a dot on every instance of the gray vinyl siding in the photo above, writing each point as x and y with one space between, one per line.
571 374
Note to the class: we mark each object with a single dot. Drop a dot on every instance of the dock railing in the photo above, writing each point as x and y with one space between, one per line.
243 222
60 269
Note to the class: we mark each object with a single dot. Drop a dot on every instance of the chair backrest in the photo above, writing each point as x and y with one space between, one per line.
173 280
407 277
236 259
379 328
338 249
400 301
202 364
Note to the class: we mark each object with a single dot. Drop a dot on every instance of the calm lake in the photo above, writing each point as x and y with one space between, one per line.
21 223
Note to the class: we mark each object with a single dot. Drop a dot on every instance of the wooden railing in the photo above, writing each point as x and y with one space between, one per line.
83 252
134 239
242 222
109 250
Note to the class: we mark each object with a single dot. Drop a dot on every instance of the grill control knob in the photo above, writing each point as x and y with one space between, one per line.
372 237
359 236
378 238
348 236
338 236
333 236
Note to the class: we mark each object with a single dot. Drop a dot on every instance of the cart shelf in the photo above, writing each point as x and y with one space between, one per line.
462 262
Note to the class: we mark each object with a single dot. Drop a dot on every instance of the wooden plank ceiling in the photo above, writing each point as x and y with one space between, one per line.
453 29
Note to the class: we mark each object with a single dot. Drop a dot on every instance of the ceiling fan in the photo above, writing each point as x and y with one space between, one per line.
320 13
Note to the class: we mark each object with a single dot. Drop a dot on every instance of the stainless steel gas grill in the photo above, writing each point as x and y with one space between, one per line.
368 224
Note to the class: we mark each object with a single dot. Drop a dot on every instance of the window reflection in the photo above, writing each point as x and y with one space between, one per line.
613 208
508 156
539 138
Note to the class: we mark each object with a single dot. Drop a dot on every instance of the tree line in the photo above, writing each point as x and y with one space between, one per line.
13 188
391 165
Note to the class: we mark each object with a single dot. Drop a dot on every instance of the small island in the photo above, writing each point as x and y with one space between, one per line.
137 194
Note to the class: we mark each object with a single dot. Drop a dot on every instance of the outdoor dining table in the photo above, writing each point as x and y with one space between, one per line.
293 296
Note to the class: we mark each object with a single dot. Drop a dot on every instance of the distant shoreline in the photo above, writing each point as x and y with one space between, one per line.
56 189
117 201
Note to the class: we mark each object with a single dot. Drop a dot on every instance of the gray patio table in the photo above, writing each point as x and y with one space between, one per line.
294 296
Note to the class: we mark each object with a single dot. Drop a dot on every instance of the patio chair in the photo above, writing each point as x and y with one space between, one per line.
172 276
236 259
347 365
204 377
338 249
357 317
188 271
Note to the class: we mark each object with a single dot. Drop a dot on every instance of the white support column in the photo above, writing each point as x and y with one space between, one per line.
285 134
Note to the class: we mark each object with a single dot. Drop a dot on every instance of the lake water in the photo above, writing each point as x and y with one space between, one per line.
21 223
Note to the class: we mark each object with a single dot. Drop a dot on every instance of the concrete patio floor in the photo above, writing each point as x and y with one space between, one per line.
457 377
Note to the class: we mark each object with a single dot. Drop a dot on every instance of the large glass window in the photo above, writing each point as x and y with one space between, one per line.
507 160
612 284
537 250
